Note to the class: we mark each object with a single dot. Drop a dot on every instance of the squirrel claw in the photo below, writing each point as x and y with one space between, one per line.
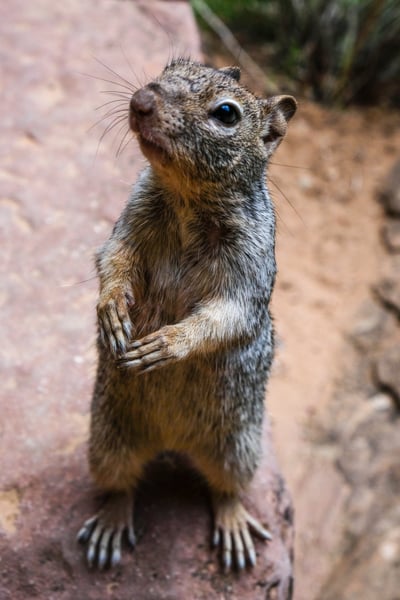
84 533
233 536
147 354
103 532
114 323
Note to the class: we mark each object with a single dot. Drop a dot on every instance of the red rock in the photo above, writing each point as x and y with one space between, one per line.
388 288
390 193
391 235
60 194
388 372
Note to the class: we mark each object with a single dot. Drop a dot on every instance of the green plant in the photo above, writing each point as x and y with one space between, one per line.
343 50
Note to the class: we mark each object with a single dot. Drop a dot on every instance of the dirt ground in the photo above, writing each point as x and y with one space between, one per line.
329 253
324 180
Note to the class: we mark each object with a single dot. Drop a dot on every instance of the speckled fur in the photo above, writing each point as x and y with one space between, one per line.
192 256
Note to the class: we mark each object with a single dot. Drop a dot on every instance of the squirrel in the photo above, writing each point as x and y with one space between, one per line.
185 338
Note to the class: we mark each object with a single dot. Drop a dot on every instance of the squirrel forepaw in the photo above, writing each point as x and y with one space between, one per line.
114 320
156 350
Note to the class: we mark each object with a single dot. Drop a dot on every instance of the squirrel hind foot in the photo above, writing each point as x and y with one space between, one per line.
232 526
104 531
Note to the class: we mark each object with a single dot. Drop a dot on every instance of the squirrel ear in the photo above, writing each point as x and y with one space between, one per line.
233 72
277 111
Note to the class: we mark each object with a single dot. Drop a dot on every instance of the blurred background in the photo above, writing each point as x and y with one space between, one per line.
334 394
334 51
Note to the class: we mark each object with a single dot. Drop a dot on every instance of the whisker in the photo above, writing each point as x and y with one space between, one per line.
68 285
291 166
122 103
128 62
115 73
128 94
279 218
144 78
111 126
109 114
121 144
118 96
150 14
287 199
123 85
107 130
115 110
282 224
120 129
127 143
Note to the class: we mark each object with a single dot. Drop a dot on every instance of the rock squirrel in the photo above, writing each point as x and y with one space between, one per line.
185 336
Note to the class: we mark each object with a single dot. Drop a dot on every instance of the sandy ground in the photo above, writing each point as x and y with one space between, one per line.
329 254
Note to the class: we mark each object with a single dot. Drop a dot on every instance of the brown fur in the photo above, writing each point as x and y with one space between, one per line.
186 339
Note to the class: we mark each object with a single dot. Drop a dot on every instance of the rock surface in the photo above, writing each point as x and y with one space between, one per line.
388 288
391 235
61 191
365 564
60 194
388 371
390 193
361 431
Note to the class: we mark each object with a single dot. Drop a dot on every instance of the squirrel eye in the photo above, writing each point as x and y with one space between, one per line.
226 113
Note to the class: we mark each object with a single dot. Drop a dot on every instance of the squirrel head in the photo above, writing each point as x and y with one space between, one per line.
200 124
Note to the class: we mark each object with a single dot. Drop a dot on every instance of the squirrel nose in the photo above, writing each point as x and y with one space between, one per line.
143 102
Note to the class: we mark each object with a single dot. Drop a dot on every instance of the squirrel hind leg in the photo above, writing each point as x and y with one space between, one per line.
117 473
104 531
233 524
